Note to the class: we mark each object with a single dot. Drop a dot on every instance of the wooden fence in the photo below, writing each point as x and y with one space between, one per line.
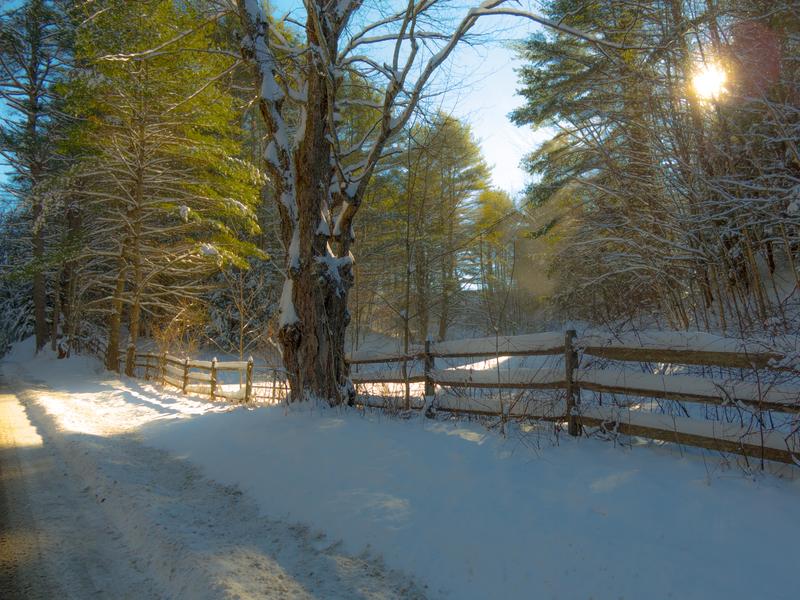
568 379
197 376
706 350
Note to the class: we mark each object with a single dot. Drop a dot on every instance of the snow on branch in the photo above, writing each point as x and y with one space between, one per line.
170 42
278 154
402 91
486 10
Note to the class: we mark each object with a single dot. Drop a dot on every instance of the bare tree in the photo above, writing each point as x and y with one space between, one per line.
319 181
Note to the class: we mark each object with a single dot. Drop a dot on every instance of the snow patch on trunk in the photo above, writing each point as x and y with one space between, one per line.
288 315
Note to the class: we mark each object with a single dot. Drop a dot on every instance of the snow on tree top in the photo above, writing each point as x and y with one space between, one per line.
208 250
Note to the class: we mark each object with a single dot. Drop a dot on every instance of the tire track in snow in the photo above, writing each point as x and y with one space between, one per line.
54 543
195 538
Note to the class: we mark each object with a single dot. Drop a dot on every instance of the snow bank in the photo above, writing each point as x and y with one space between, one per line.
48 365
545 343
522 378
478 516
468 512
686 341
713 430
687 387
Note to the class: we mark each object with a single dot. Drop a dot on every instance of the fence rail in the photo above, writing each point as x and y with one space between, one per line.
567 381
654 347
197 376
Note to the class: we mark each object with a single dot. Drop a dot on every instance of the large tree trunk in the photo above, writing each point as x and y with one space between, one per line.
35 173
135 253
134 323
72 311
313 347
71 269
115 319
448 278
422 287
134 317
39 287
55 321
37 214
314 177
313 337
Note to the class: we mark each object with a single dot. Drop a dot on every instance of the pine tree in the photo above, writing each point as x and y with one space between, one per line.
31 53
166 199
659 206
421 208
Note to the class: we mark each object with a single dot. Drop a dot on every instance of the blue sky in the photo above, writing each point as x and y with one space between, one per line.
485 103
485 91
489 95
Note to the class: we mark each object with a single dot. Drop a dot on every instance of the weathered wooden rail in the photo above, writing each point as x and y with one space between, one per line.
569 379
197 376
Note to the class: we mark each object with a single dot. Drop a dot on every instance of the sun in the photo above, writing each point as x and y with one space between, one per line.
709 82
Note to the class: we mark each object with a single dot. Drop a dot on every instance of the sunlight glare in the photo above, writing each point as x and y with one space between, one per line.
20 432
709 82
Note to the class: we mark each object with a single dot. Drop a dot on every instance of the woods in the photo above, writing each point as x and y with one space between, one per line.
221 175
673 167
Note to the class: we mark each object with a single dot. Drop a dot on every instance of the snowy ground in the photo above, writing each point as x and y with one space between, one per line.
91 511
189 499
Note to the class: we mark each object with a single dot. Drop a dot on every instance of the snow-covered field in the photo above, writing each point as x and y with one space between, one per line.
345 504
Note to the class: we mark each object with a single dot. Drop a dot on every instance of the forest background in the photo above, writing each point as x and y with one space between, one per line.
136 204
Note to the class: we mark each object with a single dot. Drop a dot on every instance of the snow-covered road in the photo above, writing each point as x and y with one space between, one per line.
55 541
115 488
88 511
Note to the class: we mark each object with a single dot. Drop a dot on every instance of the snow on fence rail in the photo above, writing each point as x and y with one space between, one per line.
691 348
687 348
712 435
535 344
197 376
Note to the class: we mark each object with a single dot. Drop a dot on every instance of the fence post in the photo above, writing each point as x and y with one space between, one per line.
213 377
163 367
573 398
430 388
185 374
248 387
406 384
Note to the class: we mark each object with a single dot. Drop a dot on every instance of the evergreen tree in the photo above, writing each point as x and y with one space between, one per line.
421 209
32 50
655 181
166 199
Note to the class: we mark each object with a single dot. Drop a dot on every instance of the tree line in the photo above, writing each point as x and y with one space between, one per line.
138 203
671 179
204 172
